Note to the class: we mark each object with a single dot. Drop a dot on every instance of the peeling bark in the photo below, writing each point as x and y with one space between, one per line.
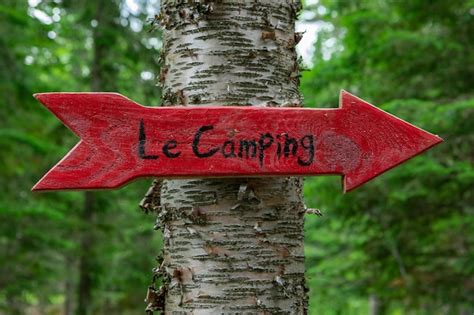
231 246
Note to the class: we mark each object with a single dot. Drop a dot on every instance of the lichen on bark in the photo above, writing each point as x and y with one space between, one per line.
231 246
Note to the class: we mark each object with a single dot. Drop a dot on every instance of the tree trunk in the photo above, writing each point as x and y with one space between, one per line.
86 259
231 246
374 305
69 288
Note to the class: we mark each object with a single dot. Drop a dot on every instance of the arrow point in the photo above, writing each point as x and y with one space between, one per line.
392 141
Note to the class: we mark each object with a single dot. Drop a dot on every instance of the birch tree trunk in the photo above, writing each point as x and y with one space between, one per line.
374 305
231 246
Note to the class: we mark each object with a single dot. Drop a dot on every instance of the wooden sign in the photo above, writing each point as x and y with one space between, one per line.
122 140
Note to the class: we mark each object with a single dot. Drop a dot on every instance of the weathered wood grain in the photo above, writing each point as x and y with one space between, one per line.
122 140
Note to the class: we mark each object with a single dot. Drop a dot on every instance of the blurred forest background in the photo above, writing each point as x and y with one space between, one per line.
401 244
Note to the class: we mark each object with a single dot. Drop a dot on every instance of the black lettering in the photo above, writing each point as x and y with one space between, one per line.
247 145
262 145
170 145
278 147
309 146
228 153
197 138
290 142
142 143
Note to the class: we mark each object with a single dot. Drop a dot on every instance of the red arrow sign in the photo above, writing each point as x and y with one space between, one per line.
122 140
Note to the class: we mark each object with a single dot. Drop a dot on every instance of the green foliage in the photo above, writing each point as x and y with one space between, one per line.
406 237
389 50
51 47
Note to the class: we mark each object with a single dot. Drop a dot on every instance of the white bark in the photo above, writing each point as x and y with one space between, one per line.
231 246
